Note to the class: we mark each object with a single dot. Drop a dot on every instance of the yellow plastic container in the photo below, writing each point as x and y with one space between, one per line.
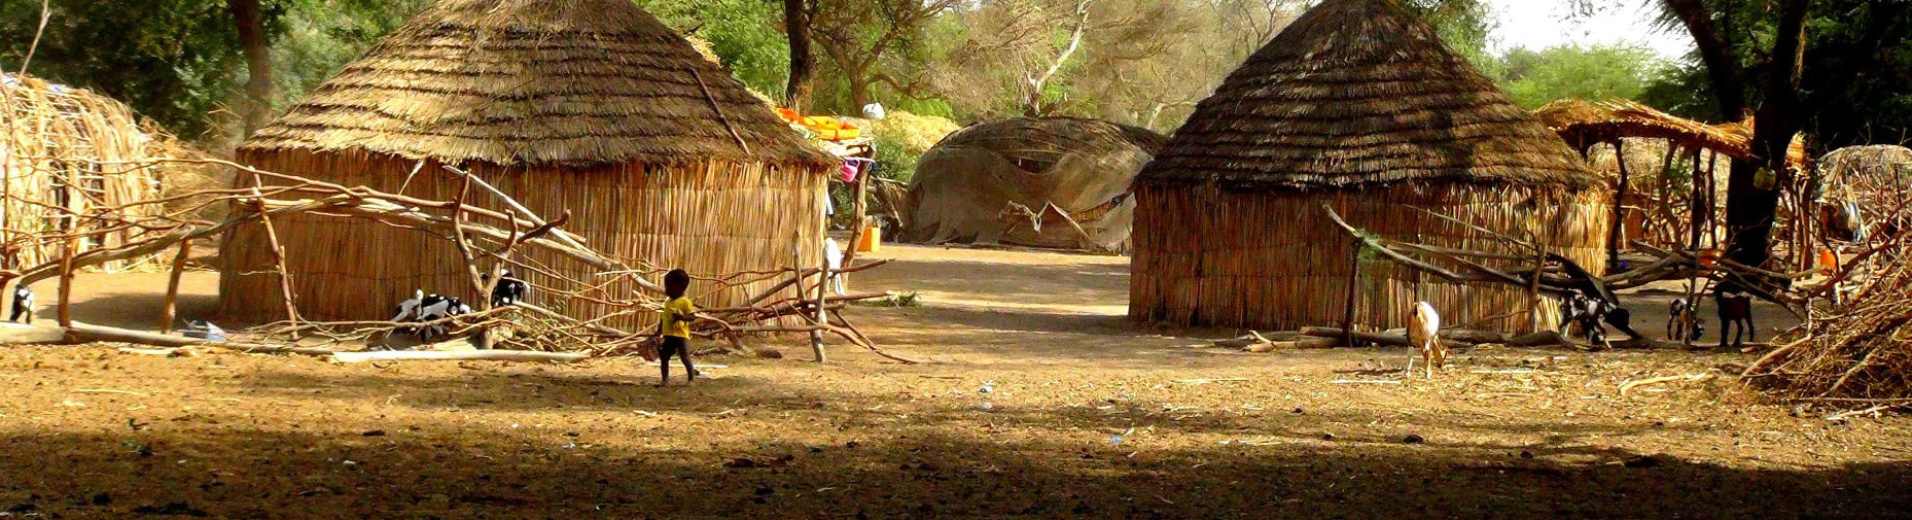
871 240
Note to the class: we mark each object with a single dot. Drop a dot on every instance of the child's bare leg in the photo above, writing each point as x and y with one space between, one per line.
690 372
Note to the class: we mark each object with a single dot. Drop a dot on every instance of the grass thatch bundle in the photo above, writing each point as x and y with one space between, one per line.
1360 106
68 153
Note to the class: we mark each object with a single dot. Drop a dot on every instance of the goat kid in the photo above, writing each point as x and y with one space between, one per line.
22 304
1683 321
1584 312
1735 313
1423 333
510 289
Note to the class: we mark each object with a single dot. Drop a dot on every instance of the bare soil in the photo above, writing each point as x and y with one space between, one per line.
1038 400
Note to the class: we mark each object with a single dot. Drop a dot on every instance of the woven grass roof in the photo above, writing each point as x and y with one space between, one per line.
1359 92
536 82
1586 123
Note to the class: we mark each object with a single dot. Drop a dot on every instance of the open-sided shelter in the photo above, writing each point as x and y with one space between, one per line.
1359 106
991 182
591 106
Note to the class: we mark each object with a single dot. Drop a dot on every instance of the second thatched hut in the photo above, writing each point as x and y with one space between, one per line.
1358 106
590 106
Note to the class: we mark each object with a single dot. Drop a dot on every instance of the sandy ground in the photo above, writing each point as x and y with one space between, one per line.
1038 400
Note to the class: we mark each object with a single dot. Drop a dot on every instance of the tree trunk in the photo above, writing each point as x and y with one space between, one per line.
1722 66
1752 198
252 38
796 21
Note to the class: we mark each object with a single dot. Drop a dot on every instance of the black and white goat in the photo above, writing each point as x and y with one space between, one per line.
1585 312
422 308
1683 321
510 289
22 304
1735 308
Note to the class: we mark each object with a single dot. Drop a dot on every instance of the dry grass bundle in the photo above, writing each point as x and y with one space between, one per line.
66 153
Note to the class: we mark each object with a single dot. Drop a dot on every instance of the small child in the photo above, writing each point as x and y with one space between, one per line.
674 326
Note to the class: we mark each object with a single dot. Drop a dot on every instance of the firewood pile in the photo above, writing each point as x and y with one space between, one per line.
1855 348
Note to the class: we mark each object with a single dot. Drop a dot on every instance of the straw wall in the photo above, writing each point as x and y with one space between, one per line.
705 217
1274 261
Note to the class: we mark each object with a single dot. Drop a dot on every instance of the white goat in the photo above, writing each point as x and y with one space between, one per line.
1422 333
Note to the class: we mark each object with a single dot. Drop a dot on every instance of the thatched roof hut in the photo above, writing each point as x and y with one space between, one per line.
591 106
66 151
975 185
1357 105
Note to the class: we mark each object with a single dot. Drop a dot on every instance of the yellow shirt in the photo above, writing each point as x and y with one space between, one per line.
671 324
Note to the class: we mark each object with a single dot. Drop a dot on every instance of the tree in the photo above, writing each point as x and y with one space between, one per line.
1535 78
249 23
796 26
858 38
1730 36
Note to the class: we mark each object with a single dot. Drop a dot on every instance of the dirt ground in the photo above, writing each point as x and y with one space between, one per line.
1037 400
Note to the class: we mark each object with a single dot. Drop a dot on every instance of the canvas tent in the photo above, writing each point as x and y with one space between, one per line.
1358 106
1022 181
591 106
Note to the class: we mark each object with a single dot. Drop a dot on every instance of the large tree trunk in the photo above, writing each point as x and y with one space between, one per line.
246 18
796 21
1722 66
1751 205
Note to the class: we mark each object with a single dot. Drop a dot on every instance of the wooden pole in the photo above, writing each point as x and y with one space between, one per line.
823 278
860 214
171 313
1619 209
1354 283
278 254
66 251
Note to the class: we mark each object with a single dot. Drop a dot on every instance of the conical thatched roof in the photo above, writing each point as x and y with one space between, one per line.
518 82
1361 92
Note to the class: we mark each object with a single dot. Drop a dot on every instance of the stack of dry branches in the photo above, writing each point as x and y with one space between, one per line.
1856 347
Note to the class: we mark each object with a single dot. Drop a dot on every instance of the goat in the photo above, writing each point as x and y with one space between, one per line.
1583 311
434 307
509 290
1423 330
1735 308
1683 321
22 304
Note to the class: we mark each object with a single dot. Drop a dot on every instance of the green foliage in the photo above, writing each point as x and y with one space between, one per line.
1535 78
171 60
1466 25
745 34
317 40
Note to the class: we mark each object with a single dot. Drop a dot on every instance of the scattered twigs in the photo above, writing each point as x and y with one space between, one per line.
461 355
1630 385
